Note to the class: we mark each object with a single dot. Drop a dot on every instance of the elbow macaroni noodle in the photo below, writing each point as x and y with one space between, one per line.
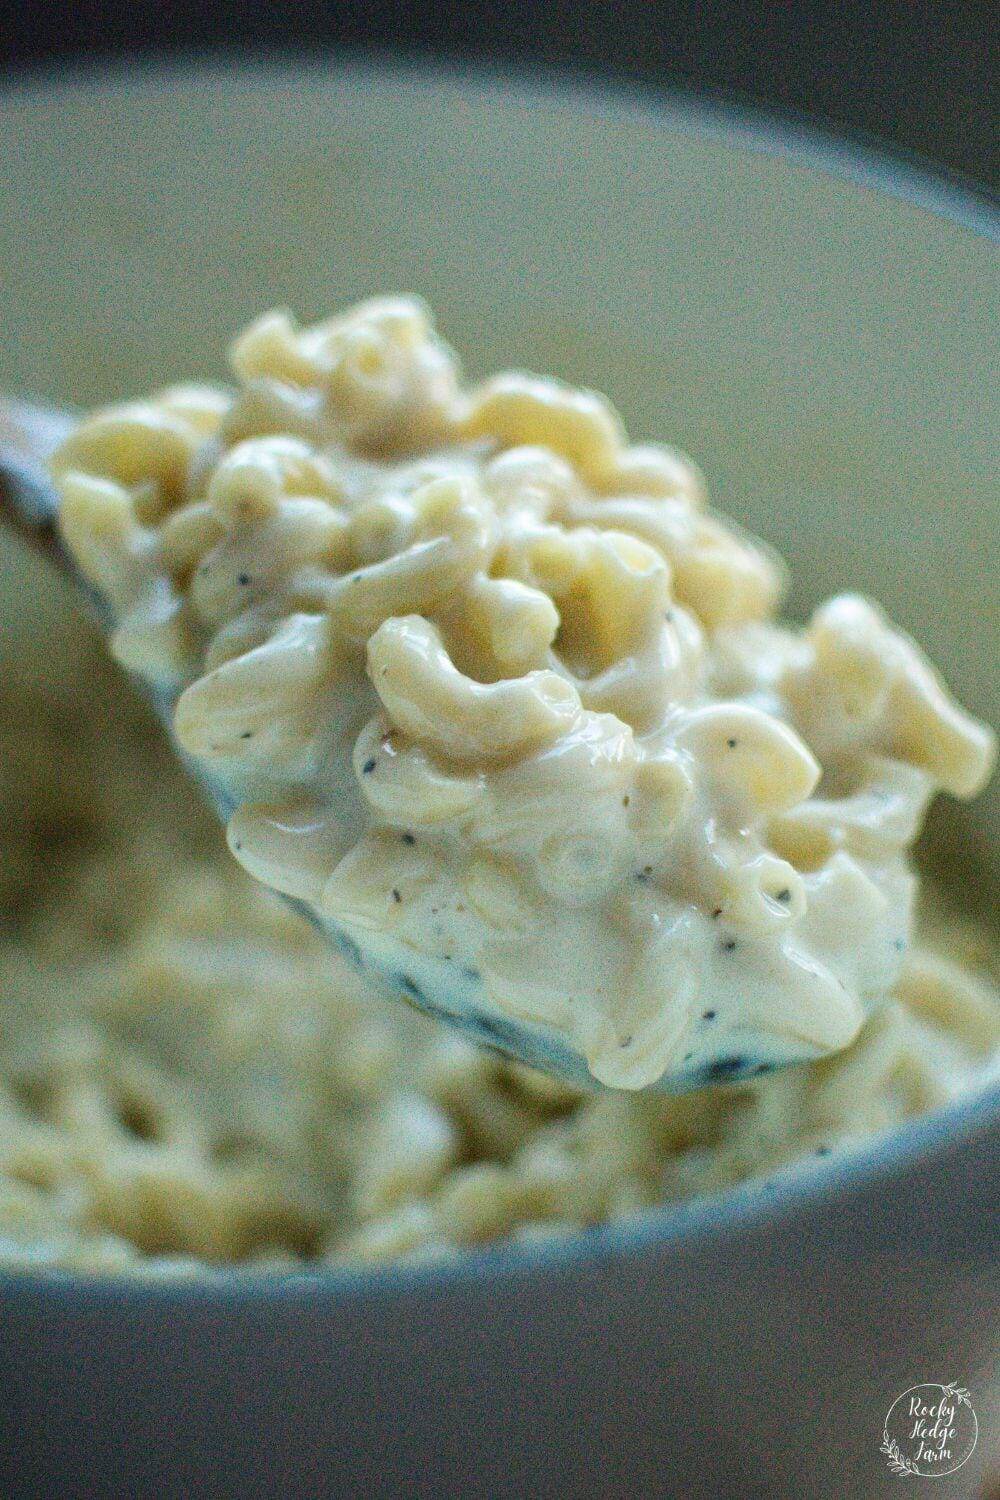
489 680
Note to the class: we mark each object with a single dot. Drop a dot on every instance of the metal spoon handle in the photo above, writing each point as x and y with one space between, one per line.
28 437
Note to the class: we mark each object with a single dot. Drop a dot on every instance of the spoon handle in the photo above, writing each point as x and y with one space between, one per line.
28 437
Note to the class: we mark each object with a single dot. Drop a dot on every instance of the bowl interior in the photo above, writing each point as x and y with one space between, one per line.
822 347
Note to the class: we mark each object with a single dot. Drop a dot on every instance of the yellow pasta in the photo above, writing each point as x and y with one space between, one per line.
466 721
146 446
519 409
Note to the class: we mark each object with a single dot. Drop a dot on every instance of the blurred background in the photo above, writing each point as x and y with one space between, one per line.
919 76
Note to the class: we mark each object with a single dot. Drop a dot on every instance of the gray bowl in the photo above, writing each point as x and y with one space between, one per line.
818 328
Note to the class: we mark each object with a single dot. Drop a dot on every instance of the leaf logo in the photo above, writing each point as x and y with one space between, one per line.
930 1430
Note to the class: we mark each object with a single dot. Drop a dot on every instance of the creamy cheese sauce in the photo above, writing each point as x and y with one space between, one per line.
488 681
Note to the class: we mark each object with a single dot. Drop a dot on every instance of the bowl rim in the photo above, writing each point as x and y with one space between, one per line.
849 153
807 1186
806 1189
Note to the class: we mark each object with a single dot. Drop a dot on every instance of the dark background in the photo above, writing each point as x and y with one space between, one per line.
921 77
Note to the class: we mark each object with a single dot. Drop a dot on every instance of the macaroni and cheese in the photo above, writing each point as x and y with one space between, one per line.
491 688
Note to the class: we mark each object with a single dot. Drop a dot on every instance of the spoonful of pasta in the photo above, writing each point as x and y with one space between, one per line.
491 694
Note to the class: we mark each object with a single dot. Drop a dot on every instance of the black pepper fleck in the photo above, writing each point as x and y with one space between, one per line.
369 766
395 895
724 1067
731 744
408 838
784 895
708 1015
717 913
247 734
243 580
729 946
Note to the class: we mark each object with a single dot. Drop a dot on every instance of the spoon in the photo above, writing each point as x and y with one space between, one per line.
29 435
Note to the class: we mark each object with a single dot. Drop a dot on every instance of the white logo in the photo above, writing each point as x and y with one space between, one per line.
930 1430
